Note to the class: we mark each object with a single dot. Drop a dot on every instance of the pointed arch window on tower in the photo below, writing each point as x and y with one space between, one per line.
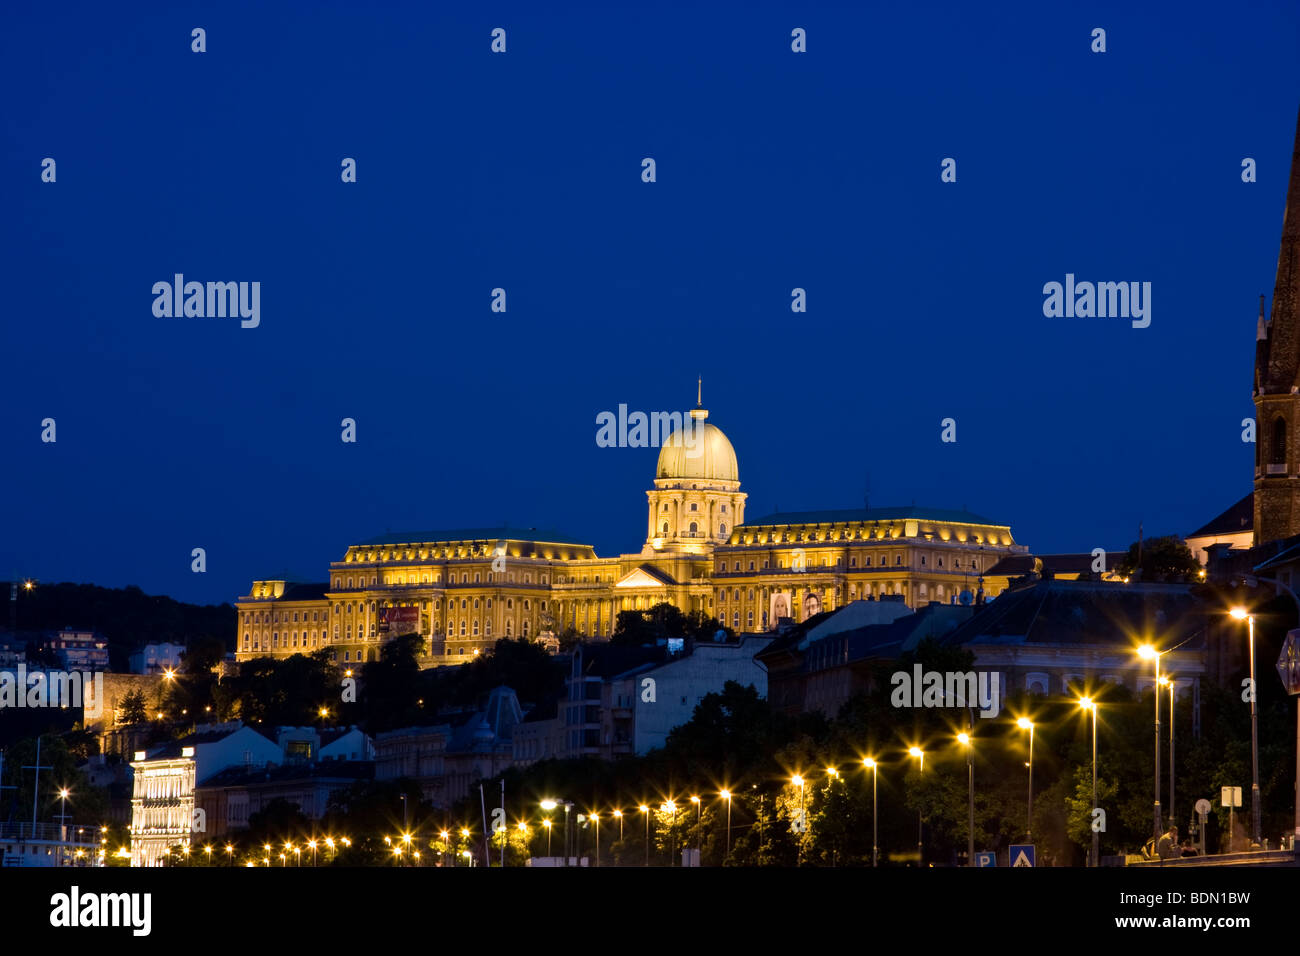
1277 448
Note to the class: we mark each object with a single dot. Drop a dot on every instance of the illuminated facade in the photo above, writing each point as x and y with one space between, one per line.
464 590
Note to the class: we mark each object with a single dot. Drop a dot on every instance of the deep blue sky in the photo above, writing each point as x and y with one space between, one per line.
775 170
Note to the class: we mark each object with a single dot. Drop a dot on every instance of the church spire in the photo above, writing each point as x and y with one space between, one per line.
1284 321
1277 383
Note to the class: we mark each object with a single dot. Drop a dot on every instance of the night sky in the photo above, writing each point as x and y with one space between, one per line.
522 170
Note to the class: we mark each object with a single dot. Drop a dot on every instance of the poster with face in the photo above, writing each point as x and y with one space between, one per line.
812 604
778 607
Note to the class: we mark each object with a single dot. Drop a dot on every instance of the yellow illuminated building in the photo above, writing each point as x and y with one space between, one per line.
463 590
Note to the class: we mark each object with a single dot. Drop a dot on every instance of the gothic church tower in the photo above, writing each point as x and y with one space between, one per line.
1277 383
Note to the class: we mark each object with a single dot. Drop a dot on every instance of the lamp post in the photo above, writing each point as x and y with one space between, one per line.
1147 652
1167 680
870 763
1087 703
698 808
671 807
595 818
1240 613
1024 723
547 823
618 815
726 795
965 740
919 754
797 780
1252 581
645 812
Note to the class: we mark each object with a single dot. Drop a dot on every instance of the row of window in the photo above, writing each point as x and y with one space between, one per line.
853 563
509 578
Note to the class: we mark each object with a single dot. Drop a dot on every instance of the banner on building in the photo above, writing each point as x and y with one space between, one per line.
399 620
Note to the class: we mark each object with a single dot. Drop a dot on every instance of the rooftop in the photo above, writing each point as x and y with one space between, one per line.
849 515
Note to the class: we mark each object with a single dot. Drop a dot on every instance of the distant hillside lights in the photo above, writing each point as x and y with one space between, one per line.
1102 300
215 300
639 430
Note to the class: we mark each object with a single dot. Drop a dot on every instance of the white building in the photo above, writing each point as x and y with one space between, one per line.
157 658
162 799
681 683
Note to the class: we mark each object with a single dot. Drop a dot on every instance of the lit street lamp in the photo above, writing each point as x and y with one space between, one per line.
726 795
919 754
1024 723
698 808
1240 613
1087 703
645 811
965 740
1167 680
870 764
797 780
1147 652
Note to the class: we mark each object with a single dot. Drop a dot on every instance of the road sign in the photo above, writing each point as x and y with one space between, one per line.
986 858
1230 797
1288 662
1203 808
1022 854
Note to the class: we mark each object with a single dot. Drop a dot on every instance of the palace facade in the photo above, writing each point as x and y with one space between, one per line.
463 590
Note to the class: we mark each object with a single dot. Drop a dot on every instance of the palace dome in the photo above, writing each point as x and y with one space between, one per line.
710 459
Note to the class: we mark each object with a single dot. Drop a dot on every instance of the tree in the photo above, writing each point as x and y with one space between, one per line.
1163 559
132 707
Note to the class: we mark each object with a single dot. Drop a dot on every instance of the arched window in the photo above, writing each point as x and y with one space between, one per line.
722 529
1277 449
665 527
694 527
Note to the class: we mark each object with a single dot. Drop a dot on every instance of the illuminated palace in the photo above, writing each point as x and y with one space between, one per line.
463 590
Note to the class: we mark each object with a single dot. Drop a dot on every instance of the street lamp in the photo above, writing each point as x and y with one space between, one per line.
670 806
919 754
870 764
1024 723
1147 652
618 815
547 823
797 780
595 818
726 795
645 811
1240 613
698 809
965 740
1167 680
1087 703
